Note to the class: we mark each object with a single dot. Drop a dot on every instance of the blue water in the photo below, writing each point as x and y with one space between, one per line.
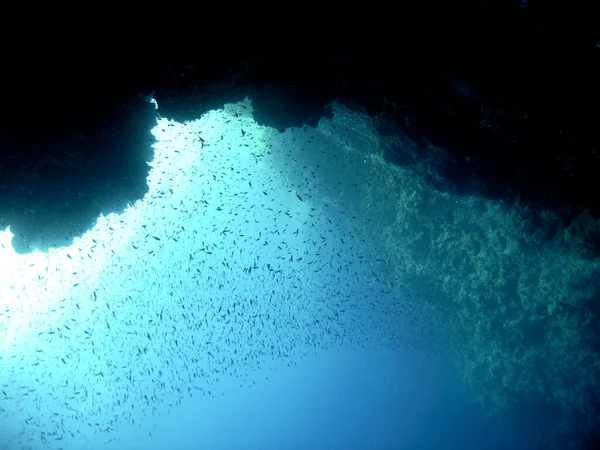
336 400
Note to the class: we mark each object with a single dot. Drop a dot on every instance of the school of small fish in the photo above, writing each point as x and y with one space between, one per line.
247 250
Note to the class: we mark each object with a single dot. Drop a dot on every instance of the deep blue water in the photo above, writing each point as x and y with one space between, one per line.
337 400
